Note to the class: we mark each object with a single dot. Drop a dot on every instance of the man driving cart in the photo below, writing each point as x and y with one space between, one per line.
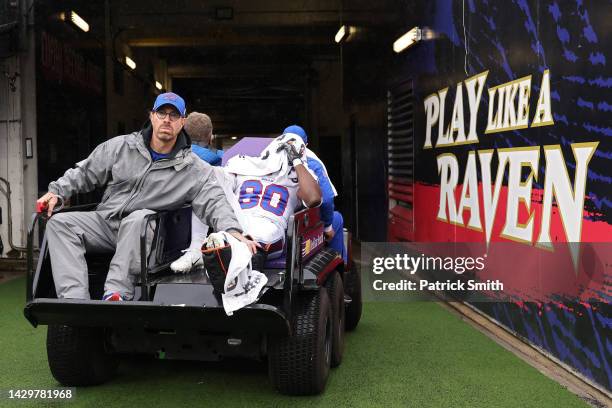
153 169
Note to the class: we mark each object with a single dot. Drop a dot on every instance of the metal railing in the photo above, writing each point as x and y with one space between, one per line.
6 191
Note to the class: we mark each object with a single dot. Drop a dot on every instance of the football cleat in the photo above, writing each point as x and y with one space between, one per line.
192 258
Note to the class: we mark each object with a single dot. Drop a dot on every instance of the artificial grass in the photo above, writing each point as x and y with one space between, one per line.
413 354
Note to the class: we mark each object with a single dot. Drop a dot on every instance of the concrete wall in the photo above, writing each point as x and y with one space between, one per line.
18 123
11 146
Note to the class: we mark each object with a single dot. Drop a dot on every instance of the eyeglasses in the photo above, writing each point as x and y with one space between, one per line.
174 116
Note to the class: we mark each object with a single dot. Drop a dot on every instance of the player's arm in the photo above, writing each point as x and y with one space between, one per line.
308 190
327 192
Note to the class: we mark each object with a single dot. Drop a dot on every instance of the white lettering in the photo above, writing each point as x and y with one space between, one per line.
518 191
522 110
469 194
443 137
490 200
432 110
456 124
571 203
509 111
543 112
474 87
448 169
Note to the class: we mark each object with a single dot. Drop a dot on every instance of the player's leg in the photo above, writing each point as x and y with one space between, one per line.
270 236
337 242
126 261
192 257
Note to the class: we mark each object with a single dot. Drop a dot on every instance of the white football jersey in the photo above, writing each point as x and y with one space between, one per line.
265 189
272 197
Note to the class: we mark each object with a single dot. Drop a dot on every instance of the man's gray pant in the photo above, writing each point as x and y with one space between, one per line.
71 234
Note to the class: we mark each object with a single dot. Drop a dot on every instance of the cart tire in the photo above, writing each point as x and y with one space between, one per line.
77 355
299 363
353 289
335 290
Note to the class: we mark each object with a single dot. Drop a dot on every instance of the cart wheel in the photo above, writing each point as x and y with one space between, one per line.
353 289
77 355
299 363
335 290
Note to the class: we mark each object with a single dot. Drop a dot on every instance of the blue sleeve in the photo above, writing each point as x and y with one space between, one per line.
205 154
327 204
219 157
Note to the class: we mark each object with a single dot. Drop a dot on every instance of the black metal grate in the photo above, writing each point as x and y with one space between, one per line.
400 153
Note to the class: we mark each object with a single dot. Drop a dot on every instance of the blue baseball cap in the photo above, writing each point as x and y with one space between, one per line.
170 98
297 130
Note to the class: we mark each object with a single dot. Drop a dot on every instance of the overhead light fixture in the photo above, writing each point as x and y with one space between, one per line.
341 34
234 137
130 62
158 85
344 33
75 19
78 21
407 40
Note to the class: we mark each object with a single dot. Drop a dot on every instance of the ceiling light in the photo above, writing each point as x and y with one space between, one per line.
158 85
234 137
344 33
76 20
130 62
406 40
341 34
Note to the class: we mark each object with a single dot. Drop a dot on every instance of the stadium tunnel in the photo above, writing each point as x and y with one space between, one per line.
75 73
254 67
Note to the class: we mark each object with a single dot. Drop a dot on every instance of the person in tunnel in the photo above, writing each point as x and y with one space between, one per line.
152 169
200 128
332 220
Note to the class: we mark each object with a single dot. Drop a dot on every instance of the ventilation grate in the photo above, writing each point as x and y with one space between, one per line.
400 153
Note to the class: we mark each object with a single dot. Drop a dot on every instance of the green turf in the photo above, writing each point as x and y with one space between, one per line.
402 354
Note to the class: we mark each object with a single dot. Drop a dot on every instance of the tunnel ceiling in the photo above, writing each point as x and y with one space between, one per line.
251 69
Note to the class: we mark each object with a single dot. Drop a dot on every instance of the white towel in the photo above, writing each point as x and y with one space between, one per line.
242 284
269 161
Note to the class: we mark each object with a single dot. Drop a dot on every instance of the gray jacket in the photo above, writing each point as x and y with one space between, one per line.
132 181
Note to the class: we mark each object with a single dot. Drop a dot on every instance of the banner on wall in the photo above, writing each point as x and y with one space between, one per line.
520 207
